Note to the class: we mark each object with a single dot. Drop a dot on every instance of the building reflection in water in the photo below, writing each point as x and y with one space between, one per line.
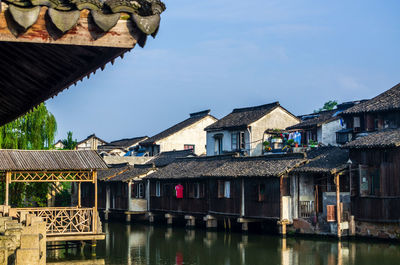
146 245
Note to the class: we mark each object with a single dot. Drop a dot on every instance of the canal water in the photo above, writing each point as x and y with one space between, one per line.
154 245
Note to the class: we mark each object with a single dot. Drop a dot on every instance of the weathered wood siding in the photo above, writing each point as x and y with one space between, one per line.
270 206
227 206
384 206
167 201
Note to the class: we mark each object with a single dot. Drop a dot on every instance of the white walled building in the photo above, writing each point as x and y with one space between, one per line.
92 142
188 134
321 127
243 130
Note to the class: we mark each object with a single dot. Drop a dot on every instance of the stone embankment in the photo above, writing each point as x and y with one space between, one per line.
22 240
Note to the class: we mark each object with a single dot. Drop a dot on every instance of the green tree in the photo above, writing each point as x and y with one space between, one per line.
36 131
69 143
329 105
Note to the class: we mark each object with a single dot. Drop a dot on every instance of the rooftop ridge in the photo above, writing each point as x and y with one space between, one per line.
260 107
200 113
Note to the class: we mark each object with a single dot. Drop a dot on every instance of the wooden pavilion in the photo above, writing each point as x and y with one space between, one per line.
62 223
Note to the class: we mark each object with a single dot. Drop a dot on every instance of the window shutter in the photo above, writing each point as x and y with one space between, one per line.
331 213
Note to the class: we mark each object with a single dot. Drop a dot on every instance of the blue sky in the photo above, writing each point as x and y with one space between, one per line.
224 54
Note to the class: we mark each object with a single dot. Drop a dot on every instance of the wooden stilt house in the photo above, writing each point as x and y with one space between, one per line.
122 186
220 187
375 185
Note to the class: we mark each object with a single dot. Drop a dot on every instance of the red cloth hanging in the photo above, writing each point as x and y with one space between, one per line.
179 191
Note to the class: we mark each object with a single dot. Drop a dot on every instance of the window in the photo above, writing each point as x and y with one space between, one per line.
194 190
261 192
238 141
218 146
227 189
158 189
285 187
140 191
356 123
188 147
220 189
369 180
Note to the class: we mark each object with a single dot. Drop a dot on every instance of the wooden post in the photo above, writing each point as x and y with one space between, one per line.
338 212
95 202
280 198
8 178
79 195
242 210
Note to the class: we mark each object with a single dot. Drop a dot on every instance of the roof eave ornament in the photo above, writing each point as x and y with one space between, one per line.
64 14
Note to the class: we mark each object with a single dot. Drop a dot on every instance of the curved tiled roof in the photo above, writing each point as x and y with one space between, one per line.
242 118
47 46
325 160
381 139
166 158
387 101
122 144
50 160
319 119
64 14
194 118
228 166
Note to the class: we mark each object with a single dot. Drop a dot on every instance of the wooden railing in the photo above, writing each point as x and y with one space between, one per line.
306 209
65 220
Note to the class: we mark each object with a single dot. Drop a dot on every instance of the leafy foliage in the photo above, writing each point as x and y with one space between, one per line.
329 105
36 130
69 143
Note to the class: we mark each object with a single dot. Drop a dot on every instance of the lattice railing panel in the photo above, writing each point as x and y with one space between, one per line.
64 220
51 176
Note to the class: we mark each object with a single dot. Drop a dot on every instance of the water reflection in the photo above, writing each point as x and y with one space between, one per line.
145 245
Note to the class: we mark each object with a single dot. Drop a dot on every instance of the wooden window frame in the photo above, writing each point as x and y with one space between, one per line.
227 190
261 196
238 141
140 191
220 189
189 147
158 189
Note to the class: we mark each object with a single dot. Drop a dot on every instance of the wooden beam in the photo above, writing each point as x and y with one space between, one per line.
338 212
8 174
95 201
79 195
84 33
77 237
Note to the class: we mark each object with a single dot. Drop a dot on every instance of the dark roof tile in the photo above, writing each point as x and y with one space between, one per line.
316 119
228 166
387 101
381 139
325 160
122 144
166 158
50 160
242 118
194 117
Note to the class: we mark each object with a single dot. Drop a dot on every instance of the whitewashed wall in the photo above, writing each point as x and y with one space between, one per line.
193 134
329 132
276 119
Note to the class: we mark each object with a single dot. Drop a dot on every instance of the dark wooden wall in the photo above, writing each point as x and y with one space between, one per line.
168 202
267 208
385 204
228 206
